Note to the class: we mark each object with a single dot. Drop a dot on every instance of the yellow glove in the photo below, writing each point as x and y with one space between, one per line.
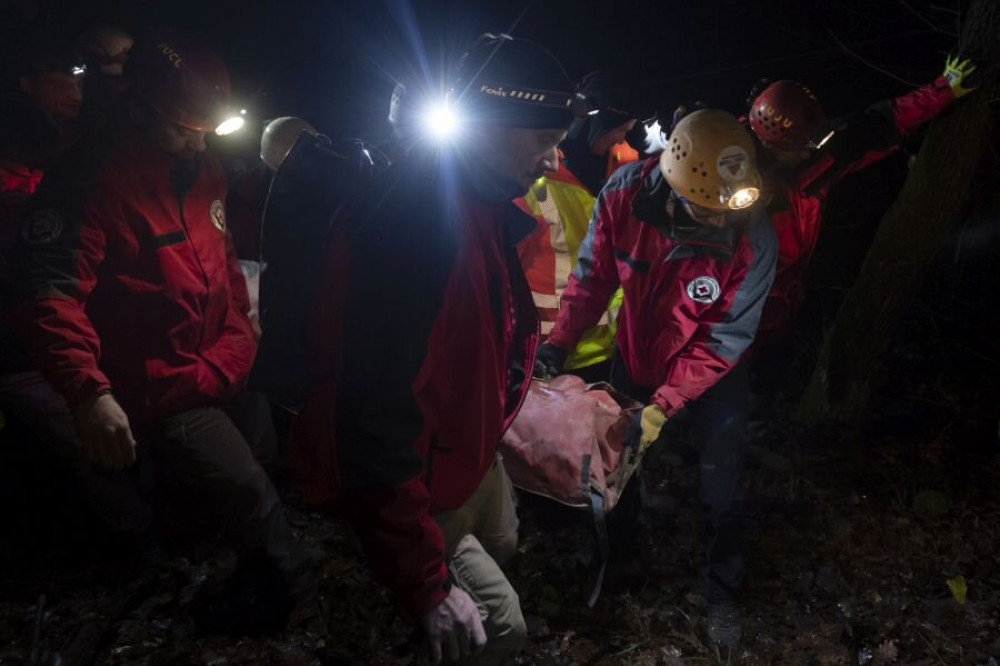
958 73
646 426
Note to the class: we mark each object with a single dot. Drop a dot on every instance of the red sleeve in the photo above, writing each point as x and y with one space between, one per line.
238 341
592 283
60 273
369 338
876 134
727 329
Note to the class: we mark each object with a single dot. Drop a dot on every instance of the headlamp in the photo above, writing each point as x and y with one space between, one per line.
441 121
740 196
575 102
816 144
232 123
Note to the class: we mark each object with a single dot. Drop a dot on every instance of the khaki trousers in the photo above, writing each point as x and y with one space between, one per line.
479 536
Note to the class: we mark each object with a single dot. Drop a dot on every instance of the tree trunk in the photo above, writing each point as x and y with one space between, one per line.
938 190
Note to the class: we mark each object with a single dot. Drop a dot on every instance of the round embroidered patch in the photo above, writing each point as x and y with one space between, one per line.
218 215
42 226
704 289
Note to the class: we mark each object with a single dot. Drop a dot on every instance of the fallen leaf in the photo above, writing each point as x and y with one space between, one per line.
886 653
958 588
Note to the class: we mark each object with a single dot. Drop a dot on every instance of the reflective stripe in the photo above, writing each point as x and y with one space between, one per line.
557 238
545 301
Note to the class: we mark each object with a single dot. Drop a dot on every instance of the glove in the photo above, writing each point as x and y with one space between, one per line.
549 361
645 427
454 628
958 73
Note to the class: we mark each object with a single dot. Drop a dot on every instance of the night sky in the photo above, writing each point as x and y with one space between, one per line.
334 62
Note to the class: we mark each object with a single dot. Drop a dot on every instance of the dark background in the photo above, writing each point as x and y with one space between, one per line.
334 63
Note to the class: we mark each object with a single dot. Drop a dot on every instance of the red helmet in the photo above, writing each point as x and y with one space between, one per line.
786 114
181 80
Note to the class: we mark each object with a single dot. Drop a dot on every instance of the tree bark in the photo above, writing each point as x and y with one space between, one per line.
938 190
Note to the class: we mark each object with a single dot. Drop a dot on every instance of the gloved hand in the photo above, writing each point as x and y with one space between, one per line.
645 427
958 74
549 361
454 628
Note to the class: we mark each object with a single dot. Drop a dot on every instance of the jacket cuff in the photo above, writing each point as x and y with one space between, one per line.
561 339
88 388
669 400
428 595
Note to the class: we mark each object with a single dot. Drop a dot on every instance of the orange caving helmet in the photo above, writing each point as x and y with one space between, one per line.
710 160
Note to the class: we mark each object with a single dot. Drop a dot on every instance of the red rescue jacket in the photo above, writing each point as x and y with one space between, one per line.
797 206
423 341
692 294
132 285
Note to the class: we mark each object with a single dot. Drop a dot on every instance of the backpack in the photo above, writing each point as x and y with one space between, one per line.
316 178
568 444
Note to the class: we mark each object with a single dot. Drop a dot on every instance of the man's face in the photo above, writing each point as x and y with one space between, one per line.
705 216
787 157
524 155
617 135
177 140
58 94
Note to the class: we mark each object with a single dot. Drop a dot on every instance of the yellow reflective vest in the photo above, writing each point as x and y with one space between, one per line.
562 206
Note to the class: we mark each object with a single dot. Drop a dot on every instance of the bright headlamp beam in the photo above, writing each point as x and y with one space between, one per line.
743 198
440 121
229 125
822 142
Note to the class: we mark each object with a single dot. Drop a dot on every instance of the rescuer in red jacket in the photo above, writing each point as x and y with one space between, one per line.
806 156
136 311
420 368
694 256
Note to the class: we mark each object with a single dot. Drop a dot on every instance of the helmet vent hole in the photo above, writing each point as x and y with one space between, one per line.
704 174
684 153
694 169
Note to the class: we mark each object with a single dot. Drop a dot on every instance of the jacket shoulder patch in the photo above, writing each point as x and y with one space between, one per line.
42 226
218 215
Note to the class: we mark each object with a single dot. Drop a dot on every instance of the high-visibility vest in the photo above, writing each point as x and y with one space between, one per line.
562 207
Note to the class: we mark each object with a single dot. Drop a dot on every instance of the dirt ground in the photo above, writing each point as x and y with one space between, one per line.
892 562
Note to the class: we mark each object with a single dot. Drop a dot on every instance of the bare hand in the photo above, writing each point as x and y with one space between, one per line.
105 432
454 628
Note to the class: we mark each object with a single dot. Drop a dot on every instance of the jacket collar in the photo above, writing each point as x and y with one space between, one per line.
650 205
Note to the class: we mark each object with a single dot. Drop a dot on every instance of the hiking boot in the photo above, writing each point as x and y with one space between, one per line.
724 627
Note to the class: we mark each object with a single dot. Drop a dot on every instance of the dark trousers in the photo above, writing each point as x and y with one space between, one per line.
114 497
210 465
718 421
206 463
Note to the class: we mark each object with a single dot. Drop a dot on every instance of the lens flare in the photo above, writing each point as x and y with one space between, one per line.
441 121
